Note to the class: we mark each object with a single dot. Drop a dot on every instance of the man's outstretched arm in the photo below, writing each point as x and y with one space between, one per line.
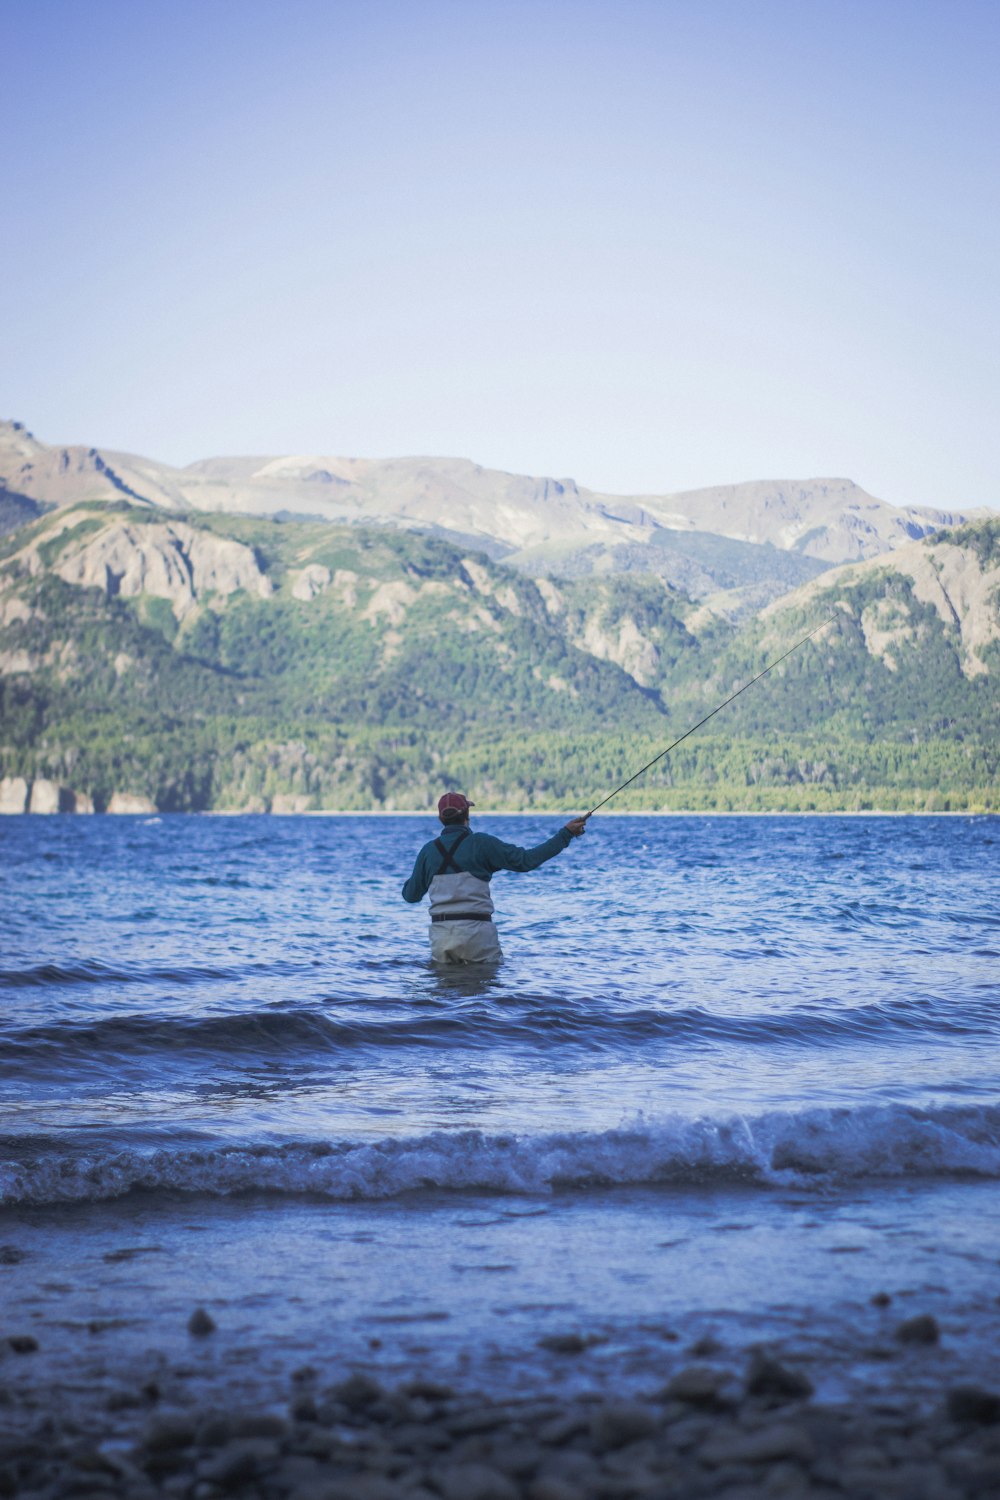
503 856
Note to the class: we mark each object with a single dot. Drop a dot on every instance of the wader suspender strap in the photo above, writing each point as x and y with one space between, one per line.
448 855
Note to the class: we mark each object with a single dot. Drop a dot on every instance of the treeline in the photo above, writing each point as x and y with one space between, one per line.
225 762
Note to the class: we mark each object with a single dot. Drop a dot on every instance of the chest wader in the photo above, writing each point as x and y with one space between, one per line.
453 940
450 865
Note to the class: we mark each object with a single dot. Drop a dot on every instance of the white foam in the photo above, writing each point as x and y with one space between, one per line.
813 1147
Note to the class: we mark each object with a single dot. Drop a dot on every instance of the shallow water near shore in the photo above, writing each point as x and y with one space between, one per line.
733 1078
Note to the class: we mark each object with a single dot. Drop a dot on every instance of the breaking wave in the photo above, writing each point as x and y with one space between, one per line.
816 1147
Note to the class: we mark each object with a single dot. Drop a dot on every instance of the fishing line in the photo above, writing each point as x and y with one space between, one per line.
770 668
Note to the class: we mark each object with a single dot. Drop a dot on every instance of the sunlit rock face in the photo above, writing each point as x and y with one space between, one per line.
169 561
958 580
45 797
19 795
130 802
14 793
963 590
313 580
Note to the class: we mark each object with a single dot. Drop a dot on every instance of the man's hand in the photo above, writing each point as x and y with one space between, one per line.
577 826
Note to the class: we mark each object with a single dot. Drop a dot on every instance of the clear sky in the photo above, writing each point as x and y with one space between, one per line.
649 245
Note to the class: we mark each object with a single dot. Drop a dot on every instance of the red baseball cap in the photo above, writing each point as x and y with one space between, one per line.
454 801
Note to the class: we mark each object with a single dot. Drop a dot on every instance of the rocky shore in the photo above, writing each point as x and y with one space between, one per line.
705 1433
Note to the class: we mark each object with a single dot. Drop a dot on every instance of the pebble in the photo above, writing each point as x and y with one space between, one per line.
303 1409
298 1471
782 1440
474 1482
766 1377
240 1461
169 1432
357 1392
621 1422
420 1437
518 1457
565 1343
23 1343
314 1443
698 1385
969 1403
427 1390
360 1487
551 1488
258 1425
124 1401
571 1467
920 1330
559 1430
214 1430
635 1486
478 1419
689 1432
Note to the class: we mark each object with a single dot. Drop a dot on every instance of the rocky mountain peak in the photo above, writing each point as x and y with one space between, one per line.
829 520
166 560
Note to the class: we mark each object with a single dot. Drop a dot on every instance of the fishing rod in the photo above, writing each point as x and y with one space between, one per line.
770 668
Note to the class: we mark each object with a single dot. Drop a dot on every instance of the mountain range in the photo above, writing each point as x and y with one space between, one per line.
294 633
767 535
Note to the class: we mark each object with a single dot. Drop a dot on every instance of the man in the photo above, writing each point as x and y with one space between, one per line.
457 869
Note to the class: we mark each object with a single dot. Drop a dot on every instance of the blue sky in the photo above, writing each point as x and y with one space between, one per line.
649 245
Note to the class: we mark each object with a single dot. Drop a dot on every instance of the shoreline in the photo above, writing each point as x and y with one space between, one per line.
624 813
500 812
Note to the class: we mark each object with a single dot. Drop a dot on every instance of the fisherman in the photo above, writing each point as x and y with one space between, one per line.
457 869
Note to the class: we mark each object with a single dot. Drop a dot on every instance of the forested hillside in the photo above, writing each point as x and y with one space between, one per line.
232 663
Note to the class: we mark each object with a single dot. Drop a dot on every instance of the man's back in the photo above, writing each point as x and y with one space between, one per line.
457 867
477 854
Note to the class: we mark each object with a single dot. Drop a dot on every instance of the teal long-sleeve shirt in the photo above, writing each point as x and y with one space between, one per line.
480 854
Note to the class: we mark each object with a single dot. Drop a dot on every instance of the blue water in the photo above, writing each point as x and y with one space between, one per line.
712 1041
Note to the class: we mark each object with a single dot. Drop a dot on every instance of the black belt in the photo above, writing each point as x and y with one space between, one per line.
462 916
